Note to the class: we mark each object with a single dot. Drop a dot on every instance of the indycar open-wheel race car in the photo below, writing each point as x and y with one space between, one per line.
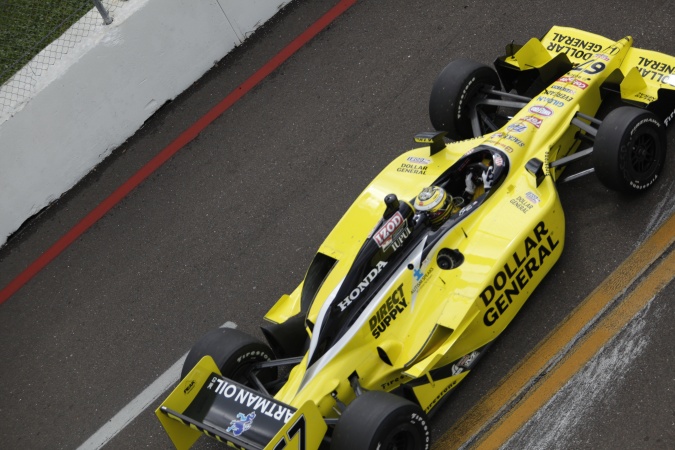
436 256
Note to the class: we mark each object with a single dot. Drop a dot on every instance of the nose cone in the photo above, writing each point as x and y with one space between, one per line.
620 48
627 41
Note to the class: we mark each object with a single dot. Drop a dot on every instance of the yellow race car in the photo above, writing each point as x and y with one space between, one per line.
436 256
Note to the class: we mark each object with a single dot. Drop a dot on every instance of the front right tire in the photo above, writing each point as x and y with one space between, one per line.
630 149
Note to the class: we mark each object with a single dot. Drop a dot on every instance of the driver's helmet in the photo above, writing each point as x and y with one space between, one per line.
435 202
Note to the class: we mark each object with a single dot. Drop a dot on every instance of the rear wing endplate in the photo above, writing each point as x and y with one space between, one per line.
204 402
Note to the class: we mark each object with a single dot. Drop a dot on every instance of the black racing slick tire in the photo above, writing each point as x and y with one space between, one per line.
381 421
630 149
234 352
455 88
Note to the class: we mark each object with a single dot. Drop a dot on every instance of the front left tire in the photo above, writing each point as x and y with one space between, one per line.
456 87
379 420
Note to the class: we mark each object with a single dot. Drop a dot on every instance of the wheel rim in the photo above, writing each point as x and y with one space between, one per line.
403 438
402 441
643 155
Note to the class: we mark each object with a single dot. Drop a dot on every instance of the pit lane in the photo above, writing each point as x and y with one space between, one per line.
230 223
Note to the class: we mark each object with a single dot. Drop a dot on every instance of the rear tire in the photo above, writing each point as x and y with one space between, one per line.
382 421
234 352
630 149
453 91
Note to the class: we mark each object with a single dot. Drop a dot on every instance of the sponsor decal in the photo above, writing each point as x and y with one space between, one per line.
522 204
655 76
517 127
383 236
563 89
646 97
189 386
389 311
573 47
649 120
498 160
550 101
668 79
531 196
297 428
467 208
656 65
399 238
418 160
414 169
669 118
576 83
420 279
612 50
394 381
601 56
467 360
462 97
516 273
501 145
242 423
250 400
440 395
562 95
508 137
253 354
354 294
541 110
590 67
533 120
464 363
424 140
580 84
573 53
576 42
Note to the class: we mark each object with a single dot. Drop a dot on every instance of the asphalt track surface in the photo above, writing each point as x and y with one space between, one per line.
229 223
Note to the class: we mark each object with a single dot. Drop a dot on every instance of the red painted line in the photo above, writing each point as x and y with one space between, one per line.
180 142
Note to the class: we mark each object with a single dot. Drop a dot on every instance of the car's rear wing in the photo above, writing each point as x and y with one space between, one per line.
204 402
646 78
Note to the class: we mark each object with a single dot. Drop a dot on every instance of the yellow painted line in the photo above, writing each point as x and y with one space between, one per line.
486 410
582 353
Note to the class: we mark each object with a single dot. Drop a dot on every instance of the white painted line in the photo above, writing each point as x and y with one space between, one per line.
139 404
597 383
663 210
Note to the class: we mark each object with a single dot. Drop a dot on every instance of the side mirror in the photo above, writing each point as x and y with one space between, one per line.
536 168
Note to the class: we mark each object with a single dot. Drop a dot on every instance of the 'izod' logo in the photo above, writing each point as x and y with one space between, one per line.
383 236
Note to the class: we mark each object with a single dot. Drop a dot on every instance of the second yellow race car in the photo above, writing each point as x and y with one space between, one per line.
436 256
